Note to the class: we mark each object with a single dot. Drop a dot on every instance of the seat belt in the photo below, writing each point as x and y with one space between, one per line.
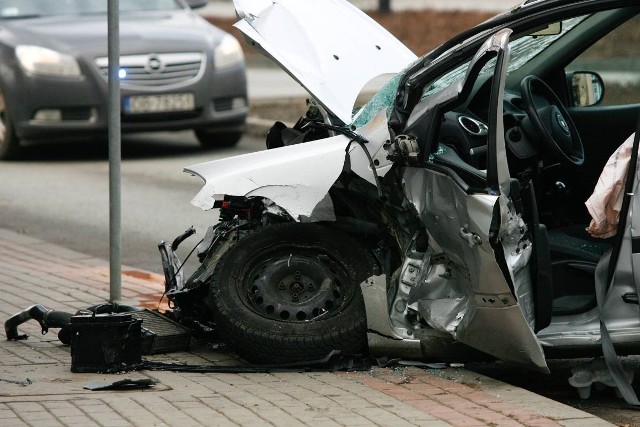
610 356
605 275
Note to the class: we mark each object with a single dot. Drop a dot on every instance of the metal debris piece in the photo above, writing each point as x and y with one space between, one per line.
24 382
417 364
126 384
385 362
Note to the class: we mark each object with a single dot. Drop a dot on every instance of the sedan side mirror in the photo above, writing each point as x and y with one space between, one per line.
587 88
196 4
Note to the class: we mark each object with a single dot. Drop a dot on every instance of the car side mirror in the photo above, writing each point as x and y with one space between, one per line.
196 4
587 88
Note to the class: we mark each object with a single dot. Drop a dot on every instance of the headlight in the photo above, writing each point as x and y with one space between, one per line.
40 60
228 52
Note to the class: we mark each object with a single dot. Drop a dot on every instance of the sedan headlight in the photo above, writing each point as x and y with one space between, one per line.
228 52
40 60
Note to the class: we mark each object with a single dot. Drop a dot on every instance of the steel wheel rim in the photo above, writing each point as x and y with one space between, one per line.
297 288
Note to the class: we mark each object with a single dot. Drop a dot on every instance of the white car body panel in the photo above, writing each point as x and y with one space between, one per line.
332 61
297 177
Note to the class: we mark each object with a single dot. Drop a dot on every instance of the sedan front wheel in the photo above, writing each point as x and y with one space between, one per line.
9 143
213 139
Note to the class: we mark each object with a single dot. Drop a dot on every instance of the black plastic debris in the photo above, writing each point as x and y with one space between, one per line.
111 338
333 362
126 384
47 319
105 342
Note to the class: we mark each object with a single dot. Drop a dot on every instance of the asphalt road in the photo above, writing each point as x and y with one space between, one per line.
59 192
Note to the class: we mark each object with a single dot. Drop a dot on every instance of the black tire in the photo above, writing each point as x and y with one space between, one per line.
213 139
9 142
291 292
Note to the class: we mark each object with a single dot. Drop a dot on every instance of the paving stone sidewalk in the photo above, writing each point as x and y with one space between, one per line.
38 389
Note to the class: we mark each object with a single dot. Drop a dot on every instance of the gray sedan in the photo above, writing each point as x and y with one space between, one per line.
177 71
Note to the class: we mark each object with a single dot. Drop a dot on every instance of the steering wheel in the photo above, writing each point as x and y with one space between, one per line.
554 130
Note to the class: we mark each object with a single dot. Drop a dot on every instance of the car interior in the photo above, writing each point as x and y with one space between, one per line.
571 98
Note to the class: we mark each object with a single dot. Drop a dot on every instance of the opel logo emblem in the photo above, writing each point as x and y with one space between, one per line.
154 64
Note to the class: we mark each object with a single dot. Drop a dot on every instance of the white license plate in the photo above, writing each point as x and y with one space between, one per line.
159 103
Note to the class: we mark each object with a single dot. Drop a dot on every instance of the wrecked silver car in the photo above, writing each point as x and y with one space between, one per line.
445 219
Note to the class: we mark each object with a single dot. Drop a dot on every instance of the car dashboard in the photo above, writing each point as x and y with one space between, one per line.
465 130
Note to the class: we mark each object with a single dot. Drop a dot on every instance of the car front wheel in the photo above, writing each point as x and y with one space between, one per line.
291 292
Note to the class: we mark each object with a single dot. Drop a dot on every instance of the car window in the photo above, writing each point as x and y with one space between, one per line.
12 9
616 58
523 50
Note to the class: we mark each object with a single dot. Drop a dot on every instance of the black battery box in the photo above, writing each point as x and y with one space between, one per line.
105 343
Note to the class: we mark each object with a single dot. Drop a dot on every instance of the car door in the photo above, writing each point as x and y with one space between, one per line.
479 288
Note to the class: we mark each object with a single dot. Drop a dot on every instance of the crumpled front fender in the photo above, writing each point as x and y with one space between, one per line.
297 177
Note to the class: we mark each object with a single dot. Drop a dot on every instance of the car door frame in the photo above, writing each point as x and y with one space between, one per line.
483 239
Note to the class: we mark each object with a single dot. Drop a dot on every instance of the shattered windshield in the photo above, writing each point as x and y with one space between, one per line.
384 98
12 9
523 50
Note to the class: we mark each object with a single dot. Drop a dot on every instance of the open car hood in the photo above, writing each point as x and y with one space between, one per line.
330 47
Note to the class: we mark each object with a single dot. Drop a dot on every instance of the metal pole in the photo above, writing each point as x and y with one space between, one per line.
115 157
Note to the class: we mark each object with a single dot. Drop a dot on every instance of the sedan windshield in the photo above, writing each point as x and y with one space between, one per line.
15 9
523 50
